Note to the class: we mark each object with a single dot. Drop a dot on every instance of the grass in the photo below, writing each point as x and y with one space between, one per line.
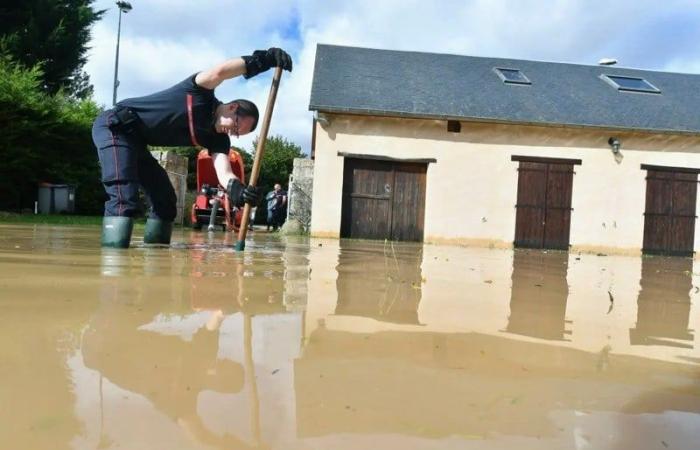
50 219
61 219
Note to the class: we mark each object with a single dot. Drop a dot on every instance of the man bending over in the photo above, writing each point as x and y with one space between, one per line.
187 113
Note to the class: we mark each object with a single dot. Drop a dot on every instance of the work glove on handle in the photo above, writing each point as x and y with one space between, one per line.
262 60
239 194
250 195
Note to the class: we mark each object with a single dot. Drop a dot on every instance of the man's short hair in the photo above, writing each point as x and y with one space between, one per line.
246 108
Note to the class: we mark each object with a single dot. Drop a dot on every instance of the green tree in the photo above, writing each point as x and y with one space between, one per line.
51 34
45 138
247 161
277 163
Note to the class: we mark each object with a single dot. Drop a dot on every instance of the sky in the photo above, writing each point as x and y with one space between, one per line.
164 41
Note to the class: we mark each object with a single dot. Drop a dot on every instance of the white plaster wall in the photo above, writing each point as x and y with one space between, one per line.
472 188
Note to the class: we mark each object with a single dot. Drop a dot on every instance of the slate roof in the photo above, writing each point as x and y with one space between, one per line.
428 85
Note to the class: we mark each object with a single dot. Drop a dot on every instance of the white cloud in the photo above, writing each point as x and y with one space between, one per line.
683 65
145 65
165 40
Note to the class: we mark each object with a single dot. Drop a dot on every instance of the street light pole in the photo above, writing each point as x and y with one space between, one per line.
124 7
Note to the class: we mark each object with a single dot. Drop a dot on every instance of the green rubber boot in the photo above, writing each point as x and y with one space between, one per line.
157 231
116 231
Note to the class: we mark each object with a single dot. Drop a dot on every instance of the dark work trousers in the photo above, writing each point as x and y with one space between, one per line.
126 163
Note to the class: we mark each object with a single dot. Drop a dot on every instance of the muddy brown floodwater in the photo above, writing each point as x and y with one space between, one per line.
324 344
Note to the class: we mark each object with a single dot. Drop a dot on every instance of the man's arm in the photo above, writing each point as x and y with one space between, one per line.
210 79
249 66
222 166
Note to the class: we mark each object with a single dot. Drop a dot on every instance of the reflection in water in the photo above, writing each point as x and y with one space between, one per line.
199 347
36 337
386 288
177 328
397 381
538 294
228 281
663 307
483 387
140 350
187 354
295 279
46 288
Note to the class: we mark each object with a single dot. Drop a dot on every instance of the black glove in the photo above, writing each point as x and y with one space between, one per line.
250 195
239 194
262 60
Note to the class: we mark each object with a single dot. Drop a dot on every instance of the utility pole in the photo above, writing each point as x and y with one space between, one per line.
124 7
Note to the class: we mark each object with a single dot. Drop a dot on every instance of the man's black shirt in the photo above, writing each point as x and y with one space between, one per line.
165 120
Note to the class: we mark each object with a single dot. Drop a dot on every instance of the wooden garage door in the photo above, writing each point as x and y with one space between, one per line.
669 217
543 211
383 200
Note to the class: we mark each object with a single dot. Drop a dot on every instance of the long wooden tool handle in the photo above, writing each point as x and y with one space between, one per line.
240 244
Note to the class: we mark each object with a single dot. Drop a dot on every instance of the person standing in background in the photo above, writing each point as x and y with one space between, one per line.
276 205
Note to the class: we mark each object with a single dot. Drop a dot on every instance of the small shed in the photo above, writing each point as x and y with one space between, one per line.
56 198
502 152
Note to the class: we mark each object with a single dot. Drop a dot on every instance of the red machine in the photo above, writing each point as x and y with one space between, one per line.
212 207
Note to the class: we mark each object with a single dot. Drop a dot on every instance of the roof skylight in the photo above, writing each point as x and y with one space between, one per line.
630 84
511 76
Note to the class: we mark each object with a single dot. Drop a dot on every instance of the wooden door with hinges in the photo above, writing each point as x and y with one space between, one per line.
383 200
669 216
543 209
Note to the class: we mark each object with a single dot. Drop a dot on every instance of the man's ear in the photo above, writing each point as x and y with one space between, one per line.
233 106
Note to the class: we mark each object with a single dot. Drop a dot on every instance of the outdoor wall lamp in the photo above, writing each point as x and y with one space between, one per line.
615 145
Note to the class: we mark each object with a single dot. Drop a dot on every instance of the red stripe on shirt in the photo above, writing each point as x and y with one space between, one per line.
190 120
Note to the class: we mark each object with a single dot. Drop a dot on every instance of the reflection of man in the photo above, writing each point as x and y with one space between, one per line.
144 352
276 205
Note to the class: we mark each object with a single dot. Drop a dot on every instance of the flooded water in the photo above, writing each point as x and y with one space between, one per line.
323 344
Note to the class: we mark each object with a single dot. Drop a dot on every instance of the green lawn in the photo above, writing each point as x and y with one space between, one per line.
59 219
51 219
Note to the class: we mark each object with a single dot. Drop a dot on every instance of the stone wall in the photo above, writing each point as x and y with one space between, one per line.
176 167
300 189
